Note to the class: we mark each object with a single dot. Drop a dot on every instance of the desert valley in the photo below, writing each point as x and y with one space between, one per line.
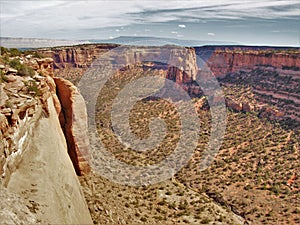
48 161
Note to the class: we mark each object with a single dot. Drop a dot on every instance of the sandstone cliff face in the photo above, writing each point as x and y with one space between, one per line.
186 66
18 115
80 56
37 167
13 210
224 61
220 60
46 177
72 62
73 120
34 163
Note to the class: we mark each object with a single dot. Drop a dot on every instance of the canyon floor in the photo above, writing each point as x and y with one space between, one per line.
254 175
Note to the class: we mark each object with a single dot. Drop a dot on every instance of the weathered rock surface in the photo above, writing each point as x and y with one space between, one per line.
46 177
73 119
80 56
13 210
183 66
3 96
224 60
43 66
35 167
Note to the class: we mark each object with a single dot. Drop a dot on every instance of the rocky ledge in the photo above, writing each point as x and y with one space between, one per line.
35 160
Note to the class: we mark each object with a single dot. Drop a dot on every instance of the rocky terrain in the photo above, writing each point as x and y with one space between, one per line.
254 178
260 85
273 73
256 171
37 174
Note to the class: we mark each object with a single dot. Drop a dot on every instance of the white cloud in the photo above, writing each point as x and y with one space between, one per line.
19 18
211 34
174 32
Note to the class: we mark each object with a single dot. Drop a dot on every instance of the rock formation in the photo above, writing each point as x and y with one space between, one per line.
262 67
224 60
73 119
80 56
34 163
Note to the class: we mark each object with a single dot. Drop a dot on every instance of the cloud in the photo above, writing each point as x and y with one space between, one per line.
211 34
70 19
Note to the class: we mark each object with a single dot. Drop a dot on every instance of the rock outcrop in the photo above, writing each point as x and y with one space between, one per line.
46 177
224 60
186 68
34 160
13 210
73 120
80 56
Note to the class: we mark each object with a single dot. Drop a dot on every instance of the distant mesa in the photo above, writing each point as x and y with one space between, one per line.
25 43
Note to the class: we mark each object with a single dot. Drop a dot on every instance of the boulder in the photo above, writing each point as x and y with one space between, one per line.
232 104
3 96
247 107
12 71
45 66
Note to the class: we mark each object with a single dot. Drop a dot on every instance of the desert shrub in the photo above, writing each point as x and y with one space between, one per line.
8 104
15 63
3 50
3 78
35 54
23 70
32 86
291 68
14 52
26 71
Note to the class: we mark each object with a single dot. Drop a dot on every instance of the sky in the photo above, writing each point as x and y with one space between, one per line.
249 22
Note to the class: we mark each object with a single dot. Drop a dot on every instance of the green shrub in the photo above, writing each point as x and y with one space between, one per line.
33 86
26 71
291 68
3 50
14 52
23 70
3 78
15 63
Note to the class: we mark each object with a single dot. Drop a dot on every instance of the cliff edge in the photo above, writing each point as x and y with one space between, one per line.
38 182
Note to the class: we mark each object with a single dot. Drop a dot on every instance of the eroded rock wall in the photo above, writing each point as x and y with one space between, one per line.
35 166
73 120
224 60
46 177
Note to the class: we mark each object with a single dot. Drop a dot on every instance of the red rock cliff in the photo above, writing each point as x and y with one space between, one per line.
73 119
222 62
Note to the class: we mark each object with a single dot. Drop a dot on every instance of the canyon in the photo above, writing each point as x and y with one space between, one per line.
261 92
272 73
